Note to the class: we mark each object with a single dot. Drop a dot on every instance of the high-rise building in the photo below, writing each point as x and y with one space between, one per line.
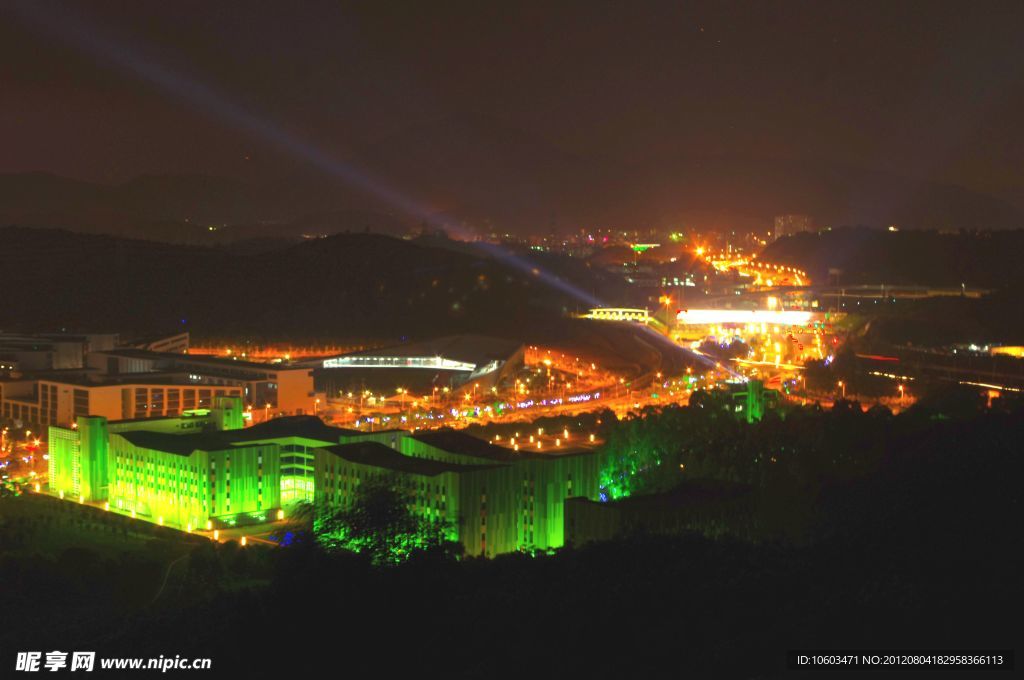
750 400
787 225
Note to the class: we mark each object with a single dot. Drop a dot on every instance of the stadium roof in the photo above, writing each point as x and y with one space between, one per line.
477 350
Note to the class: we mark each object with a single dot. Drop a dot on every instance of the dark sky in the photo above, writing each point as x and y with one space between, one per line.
931 90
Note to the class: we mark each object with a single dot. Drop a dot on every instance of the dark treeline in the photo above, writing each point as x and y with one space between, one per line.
798 460
986 259
997 318
823 377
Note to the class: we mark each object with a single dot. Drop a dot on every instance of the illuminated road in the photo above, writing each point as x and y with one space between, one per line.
554 384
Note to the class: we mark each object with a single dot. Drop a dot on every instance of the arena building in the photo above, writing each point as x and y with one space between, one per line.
458 362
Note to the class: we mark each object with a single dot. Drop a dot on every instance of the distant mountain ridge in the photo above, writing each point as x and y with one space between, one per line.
490 173
475 172
925 258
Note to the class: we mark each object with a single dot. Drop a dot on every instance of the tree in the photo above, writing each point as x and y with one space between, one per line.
380 524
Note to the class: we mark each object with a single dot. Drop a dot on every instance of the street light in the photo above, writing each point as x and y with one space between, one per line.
842 385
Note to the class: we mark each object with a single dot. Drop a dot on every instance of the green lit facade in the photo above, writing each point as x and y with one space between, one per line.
185 491
517 501
65 464
97 462
203 469
751 400
433 488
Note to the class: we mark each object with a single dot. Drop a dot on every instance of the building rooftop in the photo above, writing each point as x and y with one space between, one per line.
88 378
167 378
379 455
184 415
462 444
21 339
213 362
305 427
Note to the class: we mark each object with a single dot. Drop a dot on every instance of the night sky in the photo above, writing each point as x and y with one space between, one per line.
930 90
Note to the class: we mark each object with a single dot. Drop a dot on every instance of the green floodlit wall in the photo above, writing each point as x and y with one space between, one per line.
159 486
228 413
302 477
245 480
180 491
754 408
752 400
93 441
238 484
434 497
296 488
522 506
63 463
297 470
78 459
241 484
519 505
321 468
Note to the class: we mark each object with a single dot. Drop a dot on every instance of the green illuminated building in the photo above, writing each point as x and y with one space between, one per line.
203 470
511 500
90 462
750 400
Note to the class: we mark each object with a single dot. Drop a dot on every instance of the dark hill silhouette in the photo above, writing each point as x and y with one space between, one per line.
475 171
343 286
978 259
181 208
